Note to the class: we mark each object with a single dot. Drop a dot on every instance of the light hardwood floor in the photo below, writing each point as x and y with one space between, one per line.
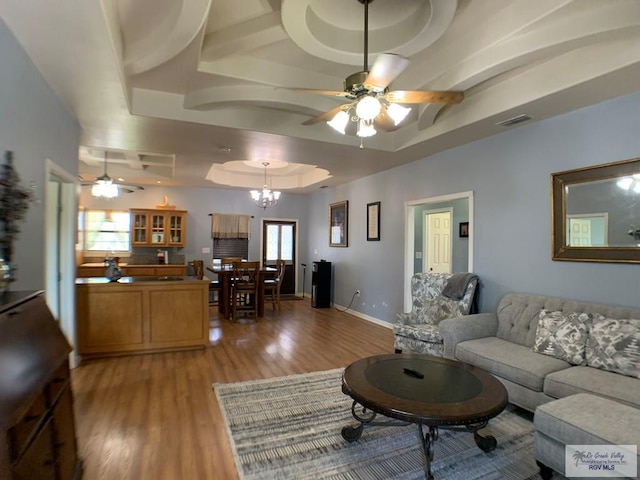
156 416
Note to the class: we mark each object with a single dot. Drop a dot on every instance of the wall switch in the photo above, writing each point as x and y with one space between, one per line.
206 250
418 254
315 251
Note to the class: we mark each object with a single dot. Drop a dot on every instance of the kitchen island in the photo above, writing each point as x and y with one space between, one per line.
141 315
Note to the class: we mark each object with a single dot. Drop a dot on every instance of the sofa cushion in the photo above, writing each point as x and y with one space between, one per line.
562 335
505 359
614 345
585 419
584 379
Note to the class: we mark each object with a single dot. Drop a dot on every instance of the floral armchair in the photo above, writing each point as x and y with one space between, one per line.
436 296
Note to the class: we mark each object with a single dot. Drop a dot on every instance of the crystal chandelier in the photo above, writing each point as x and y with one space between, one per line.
266 197
104 185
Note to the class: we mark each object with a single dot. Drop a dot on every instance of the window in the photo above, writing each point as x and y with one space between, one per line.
104 230
279 242
230 247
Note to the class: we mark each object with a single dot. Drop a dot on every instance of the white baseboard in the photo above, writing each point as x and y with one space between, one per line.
368 318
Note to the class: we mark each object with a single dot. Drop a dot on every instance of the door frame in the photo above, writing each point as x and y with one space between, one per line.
296 244
409 235
60 286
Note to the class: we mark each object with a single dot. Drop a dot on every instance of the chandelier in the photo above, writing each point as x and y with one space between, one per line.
266 197
104 185
364 112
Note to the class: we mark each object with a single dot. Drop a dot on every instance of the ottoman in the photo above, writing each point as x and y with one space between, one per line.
581 419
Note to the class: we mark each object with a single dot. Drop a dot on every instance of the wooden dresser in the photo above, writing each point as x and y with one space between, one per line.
37 428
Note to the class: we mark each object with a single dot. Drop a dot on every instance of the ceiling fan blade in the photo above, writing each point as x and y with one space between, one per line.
385 70
330 93
409 96
326 116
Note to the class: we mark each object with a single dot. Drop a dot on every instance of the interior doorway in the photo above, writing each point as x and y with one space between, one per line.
61 206
280 242
461 254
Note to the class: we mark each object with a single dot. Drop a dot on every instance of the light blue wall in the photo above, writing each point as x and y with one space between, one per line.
509 174
35 126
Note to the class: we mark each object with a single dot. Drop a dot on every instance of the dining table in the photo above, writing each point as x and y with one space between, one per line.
225 274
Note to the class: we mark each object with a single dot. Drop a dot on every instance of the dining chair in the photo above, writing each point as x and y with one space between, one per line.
244 289
230 261
214 285
272 285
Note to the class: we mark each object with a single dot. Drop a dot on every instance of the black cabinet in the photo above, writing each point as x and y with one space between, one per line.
321 285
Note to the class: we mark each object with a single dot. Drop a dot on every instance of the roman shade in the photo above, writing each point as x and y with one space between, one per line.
230 226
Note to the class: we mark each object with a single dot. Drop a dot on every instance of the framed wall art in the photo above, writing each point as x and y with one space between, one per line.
373 222
464 229
339 224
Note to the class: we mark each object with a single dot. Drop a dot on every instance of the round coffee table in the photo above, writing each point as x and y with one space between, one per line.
429 391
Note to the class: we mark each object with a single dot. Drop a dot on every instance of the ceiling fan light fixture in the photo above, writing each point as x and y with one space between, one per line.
105 187
365 128
368 108
339 122
397 112
631 183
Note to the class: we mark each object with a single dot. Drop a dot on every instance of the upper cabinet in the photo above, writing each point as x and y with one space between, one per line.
152 228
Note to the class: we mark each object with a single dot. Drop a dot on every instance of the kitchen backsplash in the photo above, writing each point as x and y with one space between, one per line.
142 258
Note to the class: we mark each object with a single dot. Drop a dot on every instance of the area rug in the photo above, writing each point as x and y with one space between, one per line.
289 428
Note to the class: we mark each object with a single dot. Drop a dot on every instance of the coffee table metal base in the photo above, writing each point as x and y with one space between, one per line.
428 433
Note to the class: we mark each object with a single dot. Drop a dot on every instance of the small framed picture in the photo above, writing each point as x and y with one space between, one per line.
373 222
339 224
464 229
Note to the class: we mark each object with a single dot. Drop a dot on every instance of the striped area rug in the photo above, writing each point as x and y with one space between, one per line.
289 428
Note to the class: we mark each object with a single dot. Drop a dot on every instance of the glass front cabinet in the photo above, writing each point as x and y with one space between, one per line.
151 228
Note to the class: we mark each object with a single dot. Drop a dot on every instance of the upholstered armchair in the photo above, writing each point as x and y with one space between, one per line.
435 297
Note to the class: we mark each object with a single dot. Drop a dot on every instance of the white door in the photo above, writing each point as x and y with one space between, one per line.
579 232
438 242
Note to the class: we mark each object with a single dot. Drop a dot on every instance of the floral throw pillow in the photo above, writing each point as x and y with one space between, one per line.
614 345
563 335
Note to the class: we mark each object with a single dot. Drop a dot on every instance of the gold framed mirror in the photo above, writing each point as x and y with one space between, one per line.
596 213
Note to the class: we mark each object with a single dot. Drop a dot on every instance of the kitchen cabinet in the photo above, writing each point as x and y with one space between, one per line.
37 428
158 228
141 315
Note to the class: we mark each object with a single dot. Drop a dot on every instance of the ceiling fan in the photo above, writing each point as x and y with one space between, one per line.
371 104
105 186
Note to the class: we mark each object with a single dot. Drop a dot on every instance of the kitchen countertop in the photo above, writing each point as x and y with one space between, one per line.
122 264
99 264
137 280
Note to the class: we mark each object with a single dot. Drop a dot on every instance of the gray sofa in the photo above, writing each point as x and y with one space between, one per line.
502 343
568 397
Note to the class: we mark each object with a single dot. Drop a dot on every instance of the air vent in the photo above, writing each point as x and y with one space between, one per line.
513 120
